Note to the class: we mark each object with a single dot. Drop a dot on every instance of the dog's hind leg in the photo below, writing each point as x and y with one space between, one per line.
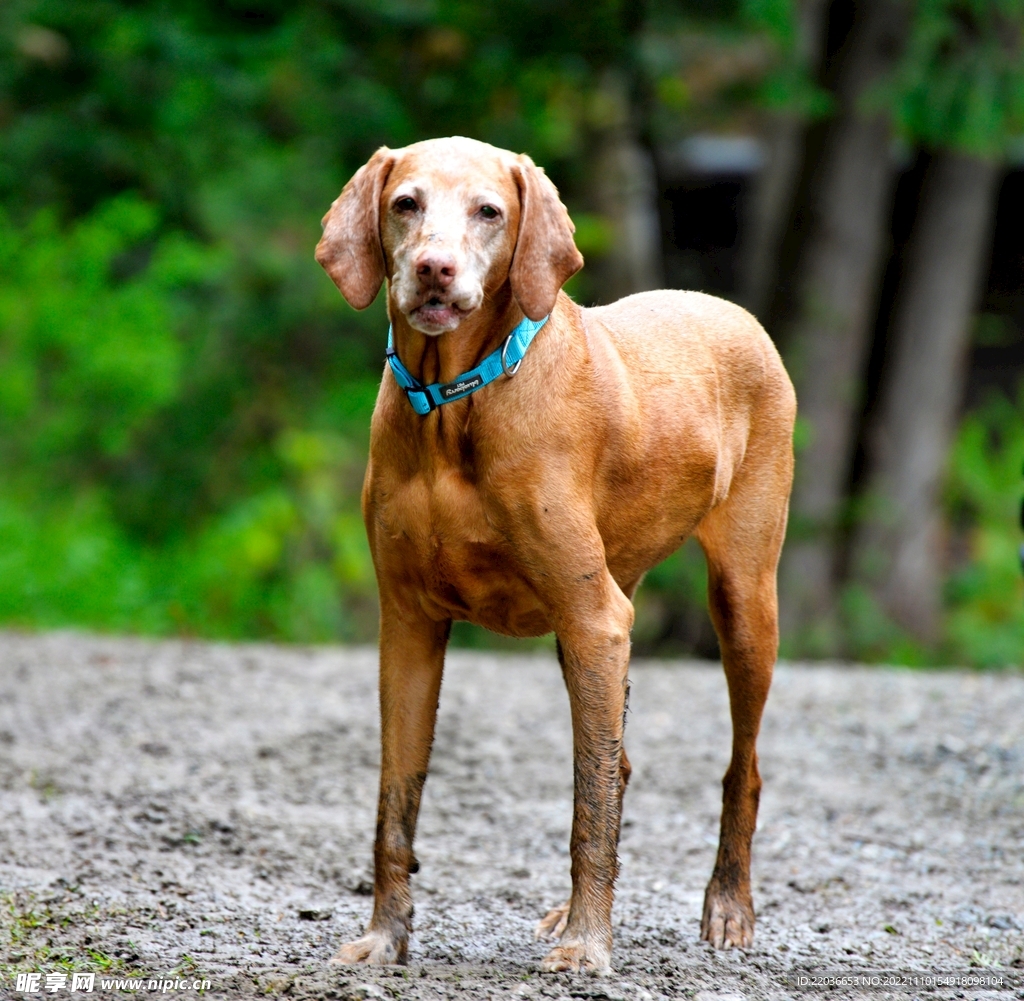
411 662
742 539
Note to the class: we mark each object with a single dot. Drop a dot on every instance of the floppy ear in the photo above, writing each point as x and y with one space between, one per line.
350 250
545 255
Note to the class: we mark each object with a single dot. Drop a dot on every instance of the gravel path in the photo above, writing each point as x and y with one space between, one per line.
185 810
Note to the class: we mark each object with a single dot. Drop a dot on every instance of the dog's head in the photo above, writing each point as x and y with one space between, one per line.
448 222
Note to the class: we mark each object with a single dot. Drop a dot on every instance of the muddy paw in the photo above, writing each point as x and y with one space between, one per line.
375 948
553 923
728 920
573 957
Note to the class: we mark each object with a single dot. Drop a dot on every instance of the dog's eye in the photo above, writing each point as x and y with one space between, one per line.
489 212
406 204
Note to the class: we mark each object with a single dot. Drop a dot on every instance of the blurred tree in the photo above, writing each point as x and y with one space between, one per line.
828 339
753 71
960 91
740 67
782 130
625 196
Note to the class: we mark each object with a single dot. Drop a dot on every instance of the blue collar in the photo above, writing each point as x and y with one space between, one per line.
505 359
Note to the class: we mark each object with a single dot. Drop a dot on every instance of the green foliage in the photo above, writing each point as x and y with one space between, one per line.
710 72
961 82
92 359
194 102
86 357
184 397
290 564
790 87
985 594
869 635
671 607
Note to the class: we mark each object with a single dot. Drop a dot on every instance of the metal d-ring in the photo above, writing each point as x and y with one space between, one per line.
504 364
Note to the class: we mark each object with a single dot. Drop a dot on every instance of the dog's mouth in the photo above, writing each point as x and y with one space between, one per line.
438 314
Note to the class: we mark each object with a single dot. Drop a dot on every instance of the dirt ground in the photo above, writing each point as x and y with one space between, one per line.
183 811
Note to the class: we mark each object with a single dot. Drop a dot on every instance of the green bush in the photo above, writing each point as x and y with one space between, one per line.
88 355
92 361
985 593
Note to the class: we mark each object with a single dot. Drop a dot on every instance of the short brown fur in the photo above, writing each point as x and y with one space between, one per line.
538 503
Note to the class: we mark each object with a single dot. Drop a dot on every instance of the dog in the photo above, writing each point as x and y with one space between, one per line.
529 461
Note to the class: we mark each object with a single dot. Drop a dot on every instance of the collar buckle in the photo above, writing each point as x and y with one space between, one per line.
509 372
421 391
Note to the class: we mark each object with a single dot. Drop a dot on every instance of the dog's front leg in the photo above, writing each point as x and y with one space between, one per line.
594 652
411 662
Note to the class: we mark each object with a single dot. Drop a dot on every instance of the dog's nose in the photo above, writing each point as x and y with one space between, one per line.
436 268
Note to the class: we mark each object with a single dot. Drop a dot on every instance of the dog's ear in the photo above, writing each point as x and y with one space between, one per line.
545 255
350 250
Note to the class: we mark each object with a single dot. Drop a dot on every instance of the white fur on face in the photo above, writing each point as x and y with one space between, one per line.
451 221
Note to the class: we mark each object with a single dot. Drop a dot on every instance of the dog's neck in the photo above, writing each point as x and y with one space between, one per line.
445 357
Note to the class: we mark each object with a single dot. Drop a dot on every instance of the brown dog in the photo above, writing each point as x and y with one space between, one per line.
538 502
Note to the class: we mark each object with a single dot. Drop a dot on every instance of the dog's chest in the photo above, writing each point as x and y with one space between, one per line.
442 538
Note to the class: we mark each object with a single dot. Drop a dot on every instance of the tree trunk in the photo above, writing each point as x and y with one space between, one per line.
625 194
776 185
899 546
628 198
830 335
771 204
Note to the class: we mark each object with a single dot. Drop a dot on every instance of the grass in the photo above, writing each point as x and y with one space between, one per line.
28 921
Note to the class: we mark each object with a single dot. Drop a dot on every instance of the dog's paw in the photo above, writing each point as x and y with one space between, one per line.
728 920
375 948
573 957
553 923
